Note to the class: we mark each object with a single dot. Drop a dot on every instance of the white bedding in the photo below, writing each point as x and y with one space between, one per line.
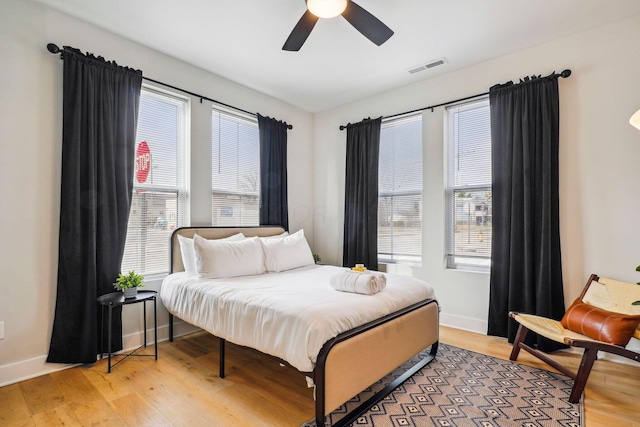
289 314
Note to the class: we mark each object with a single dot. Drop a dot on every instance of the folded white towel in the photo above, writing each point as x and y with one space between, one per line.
367 282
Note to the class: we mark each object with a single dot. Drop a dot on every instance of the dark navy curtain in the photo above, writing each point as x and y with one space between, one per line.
360 244
526 264
100 112
274 207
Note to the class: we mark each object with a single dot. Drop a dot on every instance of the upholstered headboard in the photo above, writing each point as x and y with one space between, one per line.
175 260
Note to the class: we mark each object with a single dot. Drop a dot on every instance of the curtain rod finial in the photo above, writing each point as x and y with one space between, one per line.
53 48
565 73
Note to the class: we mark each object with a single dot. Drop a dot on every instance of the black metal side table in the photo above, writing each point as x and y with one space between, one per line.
115 299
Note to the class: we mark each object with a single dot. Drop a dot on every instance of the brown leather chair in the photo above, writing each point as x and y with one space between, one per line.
604 311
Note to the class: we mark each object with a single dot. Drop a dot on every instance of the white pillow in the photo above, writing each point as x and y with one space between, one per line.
189 255
286 233
216 259
285 253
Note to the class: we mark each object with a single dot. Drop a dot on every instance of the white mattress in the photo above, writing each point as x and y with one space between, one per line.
290 314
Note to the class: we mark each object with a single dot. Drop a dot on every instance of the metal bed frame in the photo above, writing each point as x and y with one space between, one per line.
337 375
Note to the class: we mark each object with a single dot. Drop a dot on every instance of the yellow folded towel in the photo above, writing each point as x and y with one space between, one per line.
367 283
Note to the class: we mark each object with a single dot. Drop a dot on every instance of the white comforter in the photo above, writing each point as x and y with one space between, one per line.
290 314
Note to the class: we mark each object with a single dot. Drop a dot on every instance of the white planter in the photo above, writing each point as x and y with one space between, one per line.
130 292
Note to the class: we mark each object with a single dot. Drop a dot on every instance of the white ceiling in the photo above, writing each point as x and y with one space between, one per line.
241 40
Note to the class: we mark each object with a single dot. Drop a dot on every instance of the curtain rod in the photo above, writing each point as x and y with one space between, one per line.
53 48
564 75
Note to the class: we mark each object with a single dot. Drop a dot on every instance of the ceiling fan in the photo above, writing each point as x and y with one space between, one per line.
363 21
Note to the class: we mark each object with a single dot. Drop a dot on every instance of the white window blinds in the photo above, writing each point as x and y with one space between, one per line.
159 200
468 192
400 190
235 169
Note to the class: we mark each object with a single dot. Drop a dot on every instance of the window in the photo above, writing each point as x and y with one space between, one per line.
159 201
235 169
468 186
400 190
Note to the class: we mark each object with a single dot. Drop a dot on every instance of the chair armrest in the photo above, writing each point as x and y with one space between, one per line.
602 346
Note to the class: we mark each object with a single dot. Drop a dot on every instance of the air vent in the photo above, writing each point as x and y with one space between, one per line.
435 63
430 64
417 69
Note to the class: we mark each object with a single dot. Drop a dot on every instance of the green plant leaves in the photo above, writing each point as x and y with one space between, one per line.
130 280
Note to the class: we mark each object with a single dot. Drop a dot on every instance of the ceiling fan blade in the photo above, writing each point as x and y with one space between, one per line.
300 32
370 26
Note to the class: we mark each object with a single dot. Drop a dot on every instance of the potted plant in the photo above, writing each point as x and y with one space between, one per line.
129 284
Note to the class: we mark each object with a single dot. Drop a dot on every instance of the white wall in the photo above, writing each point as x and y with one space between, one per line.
599 162
30 134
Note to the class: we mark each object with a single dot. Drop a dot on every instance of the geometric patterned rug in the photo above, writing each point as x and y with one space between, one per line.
463 388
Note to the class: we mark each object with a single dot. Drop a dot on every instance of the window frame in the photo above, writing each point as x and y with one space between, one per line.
396 257
253 122
452 260
182 187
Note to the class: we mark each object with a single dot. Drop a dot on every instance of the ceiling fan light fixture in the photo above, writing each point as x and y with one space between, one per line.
326 8
635 120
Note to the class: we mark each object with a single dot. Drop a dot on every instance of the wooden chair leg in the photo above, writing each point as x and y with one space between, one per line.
588 358
520 336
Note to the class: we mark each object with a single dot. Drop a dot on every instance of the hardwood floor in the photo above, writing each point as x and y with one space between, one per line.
183 389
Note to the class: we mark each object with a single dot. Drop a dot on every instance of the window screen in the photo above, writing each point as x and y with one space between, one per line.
235 169
400 190
468 139
159 191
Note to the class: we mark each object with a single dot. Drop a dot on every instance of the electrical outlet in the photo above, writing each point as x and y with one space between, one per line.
1 330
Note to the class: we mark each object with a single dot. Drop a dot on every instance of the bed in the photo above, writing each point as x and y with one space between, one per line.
342 341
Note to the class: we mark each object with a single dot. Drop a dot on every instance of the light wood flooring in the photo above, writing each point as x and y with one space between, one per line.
183 389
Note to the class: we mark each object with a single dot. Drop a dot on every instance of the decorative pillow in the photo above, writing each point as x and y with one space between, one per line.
284 234
285 253
600 324
189 255
216 259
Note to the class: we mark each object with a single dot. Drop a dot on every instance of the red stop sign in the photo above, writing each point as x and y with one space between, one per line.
143 162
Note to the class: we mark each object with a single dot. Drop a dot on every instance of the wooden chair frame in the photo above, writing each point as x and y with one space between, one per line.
591 348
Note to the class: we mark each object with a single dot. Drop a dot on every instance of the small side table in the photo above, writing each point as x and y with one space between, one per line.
115 299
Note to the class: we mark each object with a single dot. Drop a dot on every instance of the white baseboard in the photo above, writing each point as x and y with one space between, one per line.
464 323
26 369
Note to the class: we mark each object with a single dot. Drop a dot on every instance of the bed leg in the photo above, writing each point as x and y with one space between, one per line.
319 401
434 349
170 327
222 343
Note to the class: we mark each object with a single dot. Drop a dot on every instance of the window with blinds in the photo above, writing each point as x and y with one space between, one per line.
468 186
400 190
235 169
159 200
